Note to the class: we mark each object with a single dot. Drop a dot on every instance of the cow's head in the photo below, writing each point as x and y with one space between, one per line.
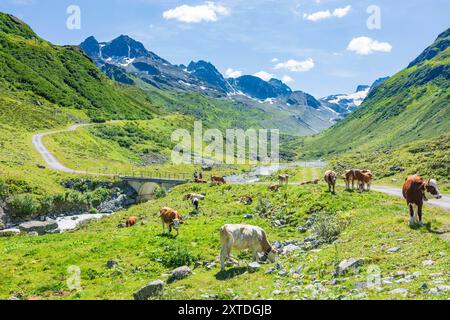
177 223
431 189
270 254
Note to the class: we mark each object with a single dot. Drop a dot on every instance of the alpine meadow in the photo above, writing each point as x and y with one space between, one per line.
288 190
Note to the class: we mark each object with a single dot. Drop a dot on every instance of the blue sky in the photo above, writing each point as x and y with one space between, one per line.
319 46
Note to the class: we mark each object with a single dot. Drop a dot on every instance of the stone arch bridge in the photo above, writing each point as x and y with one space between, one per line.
146 187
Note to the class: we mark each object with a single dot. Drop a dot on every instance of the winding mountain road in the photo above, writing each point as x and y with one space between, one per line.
54 164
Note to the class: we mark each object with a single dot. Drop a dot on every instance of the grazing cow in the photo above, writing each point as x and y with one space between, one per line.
218 180
274 187
200 181
365 179
415 191
131 221
171 219
247 200
195 198
361 176
284 179
242 237
310 182
330 179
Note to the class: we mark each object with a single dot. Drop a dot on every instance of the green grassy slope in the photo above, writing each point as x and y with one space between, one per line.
412 105
37 267
60 75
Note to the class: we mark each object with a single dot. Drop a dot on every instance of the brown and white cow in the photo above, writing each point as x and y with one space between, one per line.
218 180
131 221
416 191
365 178
361 176
330 179
283 179
274 187
243 237
171 219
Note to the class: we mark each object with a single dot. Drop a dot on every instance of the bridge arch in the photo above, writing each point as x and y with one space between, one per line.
147 190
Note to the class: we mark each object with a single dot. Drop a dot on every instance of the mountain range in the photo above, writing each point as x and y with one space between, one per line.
127 61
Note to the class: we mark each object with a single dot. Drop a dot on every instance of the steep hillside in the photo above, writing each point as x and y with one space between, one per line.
412 105
64 76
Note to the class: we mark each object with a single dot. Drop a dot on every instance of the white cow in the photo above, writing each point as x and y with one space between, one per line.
242 237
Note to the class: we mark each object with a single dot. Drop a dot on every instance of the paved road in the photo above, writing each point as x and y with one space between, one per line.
443 203
48 157
54 164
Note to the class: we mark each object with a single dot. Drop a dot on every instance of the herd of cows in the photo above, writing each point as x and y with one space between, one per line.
247 237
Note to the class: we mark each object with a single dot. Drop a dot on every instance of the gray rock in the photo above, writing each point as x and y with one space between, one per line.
153 289
210 265
393 250
399 291
350 264
9 233
443 288
198 264
180 273
248 216
423 286
254 266
33 234
41 227
427 263
121 225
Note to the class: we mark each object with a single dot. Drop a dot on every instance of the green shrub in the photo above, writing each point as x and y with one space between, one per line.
177 256
327 228
160 193
24 205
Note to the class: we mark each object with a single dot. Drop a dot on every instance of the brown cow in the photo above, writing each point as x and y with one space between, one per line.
131 221
247 200
415 191
197 180
274 187
310 182
365 179
330 179
361 176
171 219
284 179
218 180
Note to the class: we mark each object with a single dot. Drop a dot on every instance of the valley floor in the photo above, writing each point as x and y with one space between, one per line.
394 261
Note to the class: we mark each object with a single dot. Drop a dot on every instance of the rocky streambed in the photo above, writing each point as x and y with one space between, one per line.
120 198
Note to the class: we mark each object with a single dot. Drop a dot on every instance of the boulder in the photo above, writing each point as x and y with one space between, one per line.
41 227
349 264
9 233
393 250
153 289
254 266
180 273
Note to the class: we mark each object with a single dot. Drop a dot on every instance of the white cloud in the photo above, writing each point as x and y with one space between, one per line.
287 79
275 60
230 73
341 12
321 15
296 66
366 46
207 12
264 75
